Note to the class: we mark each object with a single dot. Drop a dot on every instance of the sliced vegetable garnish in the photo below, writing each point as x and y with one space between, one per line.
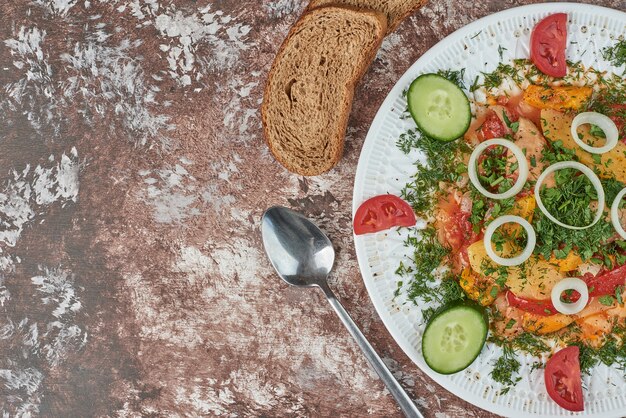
561 98
607 283
537 307
603 122
439 107
593 178
563 380
522 164
547 45
570 283
454 337
615 219
528 249
382 212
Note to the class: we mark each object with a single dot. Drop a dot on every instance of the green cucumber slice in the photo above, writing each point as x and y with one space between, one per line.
439 107
454 337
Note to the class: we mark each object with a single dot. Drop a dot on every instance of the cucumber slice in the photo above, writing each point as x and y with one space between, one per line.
454 337
439 107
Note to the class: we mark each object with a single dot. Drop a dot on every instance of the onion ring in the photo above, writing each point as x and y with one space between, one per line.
530 244
570 283
472 170
615 216
595 181
603 122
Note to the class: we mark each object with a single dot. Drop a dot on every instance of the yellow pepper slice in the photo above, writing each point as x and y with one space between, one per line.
557 98
476 289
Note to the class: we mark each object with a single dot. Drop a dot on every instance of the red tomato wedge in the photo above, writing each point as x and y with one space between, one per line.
492 127
605 284
537 307
563 381
548 43
382 212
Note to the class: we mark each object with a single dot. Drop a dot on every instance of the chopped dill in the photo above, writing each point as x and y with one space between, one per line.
494 79
421 281
441 165
408 141
615 54
501 50
506 369
456 76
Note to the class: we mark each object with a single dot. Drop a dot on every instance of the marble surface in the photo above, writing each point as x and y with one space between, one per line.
133 175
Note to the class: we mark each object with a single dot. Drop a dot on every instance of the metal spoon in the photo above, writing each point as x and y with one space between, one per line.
303 256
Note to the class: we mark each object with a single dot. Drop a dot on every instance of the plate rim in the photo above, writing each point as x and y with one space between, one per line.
359 182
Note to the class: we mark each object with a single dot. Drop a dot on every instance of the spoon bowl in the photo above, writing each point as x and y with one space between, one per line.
303 256
299 251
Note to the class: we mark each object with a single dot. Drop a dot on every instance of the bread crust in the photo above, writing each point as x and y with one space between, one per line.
339 136
391 26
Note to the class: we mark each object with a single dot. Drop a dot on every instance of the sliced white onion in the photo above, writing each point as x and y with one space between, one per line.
615 216
521 163
595 181
530 244
603 122
570 283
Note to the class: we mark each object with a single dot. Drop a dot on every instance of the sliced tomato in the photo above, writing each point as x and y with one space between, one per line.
454 231
620 119
547 45
537 307
492 127
382 212
563 381
605 283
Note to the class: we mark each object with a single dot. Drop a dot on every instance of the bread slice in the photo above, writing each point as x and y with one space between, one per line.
395 10
311 84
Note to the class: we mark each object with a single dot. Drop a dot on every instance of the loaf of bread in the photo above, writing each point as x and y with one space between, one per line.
395 10
310 86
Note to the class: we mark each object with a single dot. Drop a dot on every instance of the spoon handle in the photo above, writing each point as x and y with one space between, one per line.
407 406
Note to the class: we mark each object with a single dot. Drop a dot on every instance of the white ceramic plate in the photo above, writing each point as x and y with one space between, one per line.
383 168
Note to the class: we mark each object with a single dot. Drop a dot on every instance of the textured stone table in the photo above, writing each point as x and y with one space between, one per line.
133 176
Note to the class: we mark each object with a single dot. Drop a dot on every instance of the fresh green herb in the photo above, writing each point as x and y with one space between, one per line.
587 242
596 158
456 76
587 358
529 343
507 366
513 125
618 294
440 166
422 284
501 50
570 199
396 293
616 54
612 353
479 209
611 188
606 300
495 170
596 131
506 369
475 86
495 78
408 140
